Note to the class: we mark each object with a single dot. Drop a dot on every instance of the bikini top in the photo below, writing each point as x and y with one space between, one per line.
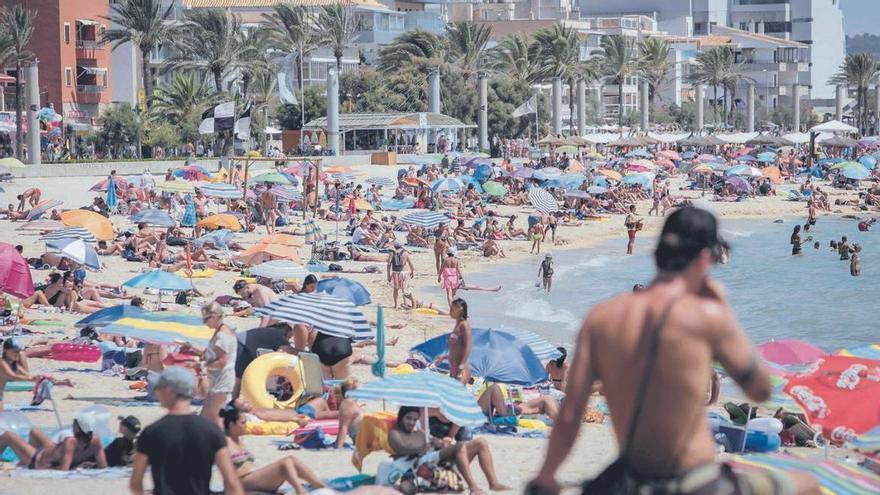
242 457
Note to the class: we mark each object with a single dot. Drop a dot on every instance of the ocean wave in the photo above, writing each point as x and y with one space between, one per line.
541 310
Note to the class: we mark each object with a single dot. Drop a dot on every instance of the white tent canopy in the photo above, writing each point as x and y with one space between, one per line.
833 126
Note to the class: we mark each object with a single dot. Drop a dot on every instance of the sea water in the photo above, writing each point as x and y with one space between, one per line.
774 295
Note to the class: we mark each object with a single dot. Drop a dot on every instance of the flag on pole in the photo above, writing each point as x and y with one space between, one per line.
286 88
243 125
530 106
218 118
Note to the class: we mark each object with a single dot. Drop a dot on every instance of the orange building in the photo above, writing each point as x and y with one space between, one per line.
74 64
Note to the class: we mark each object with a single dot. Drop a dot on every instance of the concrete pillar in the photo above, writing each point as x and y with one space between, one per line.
3 98
33 106
582 107
483 115
333 110
644 102
796 106
698 102
750 108
434 91
838 102
601 102
557 105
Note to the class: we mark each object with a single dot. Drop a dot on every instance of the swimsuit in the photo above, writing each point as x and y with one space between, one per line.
450 277
331 350
241 458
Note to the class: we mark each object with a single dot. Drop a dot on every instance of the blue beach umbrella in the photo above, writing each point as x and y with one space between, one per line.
555 183
189 213
425 389
161 327
152 216
748 158
688 155
547 173
468 180
449 184
856 173
328 314
159 279
597 190
110 315
483 172
112 200
766 157
496 356
344 288
600 181
573 181
645 180
868 161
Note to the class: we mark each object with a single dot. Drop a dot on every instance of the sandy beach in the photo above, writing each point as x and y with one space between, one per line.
516 459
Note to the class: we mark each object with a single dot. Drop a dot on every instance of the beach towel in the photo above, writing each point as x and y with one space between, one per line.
372 436
77 474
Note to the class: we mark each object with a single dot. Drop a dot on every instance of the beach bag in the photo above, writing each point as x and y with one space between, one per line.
439 479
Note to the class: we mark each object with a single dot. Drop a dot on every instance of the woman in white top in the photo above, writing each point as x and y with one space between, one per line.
219 362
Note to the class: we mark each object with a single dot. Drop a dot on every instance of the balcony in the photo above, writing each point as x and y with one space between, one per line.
89 93
88 48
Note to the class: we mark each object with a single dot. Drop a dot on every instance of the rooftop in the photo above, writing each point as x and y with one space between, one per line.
260 4
392 120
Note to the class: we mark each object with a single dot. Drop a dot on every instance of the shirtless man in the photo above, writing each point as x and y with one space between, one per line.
270 208
32 196
257 295
632 224
679 324
39 452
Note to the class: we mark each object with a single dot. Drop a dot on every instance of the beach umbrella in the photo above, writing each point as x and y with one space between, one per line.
449 184
221 221
286 194
643 179
327 314
766 157
574 180
344 288
867 351
597 190
11 162
425 389
494 189
382 181
110 315
398 204
426 219
76 250
279 270
575 166
773 174
839 164
868 161
747 158
670 154
103 186
189 212
71 233
553 183
42 226
542 200
263 252
524 173
496 356
638 153
483 172
476 162
688 155
162 327
787 352
543 349
611 174
469 180
856 173
159 279
577 193
833 476
270 178
840 394
745 171
177 186
152 216
96 223
665 163
547 173
378 367
703 169
41 208
313 233
740 185
221 190
15 273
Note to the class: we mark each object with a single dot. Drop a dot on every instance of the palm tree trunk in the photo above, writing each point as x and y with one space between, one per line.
338 55
620 102
724 105
298 61
571 108
715 104
147 75
218 81
18 126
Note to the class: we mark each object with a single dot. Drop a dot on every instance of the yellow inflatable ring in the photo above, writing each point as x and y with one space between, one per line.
253 382
427 311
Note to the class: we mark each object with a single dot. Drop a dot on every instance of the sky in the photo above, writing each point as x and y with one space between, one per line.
861 16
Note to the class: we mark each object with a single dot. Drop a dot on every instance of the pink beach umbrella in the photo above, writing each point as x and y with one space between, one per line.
669 155
121 185
788 352
15 273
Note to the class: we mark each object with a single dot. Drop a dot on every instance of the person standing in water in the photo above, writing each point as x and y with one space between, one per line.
796 242
679 324
843 249
633 224
855 264
545 272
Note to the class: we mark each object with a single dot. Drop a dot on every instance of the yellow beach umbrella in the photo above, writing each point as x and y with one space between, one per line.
12 162
95 223
611 174
221 221
177 186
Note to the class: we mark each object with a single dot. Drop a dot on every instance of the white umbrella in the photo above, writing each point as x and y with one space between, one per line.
542 200
279 270
77 250
833 126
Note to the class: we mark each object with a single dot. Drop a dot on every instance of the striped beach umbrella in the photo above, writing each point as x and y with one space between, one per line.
279 270
539 345
42 207
547 173
425 389
426 219
177 186
867 351
328 314
162 328
833 476
112 200
449 184
221 190
868 442
76 250
42 226
542 200
152 216
285 194
382 181
71 233
313 232
189 213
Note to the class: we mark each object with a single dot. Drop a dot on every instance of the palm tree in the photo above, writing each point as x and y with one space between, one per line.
413 46
654 64
617 59
558 49
859 70
291 30
17 25
209 42
253 63
467 45
185 98
713 68
337 25
146 26
514 57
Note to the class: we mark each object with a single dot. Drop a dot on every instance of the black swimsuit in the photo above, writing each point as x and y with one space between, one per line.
331 350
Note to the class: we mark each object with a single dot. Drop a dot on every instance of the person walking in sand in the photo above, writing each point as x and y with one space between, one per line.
633 224
269 206
451 278
670 334
397 261
536 234
545 272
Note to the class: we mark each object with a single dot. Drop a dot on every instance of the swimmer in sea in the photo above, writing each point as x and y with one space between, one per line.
855 264
796 241
843 249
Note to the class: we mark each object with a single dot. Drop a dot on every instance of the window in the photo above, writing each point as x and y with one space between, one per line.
104 79
699 27
103 30
777 27
67 33
68 76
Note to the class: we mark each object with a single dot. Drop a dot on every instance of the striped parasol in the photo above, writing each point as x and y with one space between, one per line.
543 349
279 270
867 351
152 216
425 389
542 200
162 328
285 194
70 233
868 442
450 184
313 232
426 219
189 213
343 177
76 250
833 476
382 181
328 314
221 190
42 207
177 186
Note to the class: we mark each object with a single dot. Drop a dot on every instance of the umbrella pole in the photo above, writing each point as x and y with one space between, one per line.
427 429
247 216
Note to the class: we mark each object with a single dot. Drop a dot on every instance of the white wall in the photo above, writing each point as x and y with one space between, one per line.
829 41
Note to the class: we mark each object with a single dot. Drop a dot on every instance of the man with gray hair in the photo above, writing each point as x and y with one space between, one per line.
181 447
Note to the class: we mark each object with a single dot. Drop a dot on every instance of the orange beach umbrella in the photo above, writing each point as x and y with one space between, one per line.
95 223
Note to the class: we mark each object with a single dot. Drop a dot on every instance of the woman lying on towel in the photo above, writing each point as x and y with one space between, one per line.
83 449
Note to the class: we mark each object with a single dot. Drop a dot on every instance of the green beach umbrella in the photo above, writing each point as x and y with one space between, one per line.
378 367
11 162
271 178
494 189
845 165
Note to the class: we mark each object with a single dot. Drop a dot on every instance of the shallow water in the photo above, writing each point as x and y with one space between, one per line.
775 295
